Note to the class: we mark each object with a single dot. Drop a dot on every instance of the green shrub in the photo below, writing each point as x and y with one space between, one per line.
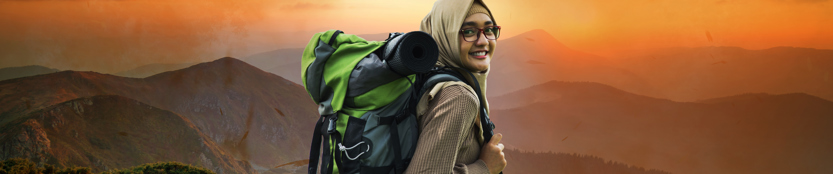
163 168
24 166
76 170
19 166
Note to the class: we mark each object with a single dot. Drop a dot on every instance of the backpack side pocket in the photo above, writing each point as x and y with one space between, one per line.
353 147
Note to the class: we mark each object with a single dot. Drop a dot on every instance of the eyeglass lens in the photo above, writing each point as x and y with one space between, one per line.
472 34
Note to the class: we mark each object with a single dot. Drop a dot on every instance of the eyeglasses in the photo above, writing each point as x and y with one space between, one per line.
471 34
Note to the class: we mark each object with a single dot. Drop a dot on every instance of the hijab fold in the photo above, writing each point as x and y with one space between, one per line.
443 23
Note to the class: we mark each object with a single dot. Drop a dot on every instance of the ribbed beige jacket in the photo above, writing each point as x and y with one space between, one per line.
450 133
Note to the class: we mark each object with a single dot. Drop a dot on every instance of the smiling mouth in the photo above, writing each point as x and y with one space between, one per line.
478 53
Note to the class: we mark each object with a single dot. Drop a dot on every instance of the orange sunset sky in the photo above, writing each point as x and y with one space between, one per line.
112 36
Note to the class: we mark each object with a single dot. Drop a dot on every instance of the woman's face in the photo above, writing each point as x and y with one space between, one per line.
471 53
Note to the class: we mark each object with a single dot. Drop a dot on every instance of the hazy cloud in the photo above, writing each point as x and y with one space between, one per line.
307 5
785 1
803 1
110 36
812 0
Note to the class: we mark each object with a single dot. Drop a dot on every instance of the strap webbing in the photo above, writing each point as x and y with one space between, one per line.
399 164
315 151
328 154
322 132
333 38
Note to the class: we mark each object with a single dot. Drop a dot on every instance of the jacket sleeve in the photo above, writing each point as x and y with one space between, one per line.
444 130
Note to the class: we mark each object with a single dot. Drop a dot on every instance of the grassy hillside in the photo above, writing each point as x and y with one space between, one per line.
109 132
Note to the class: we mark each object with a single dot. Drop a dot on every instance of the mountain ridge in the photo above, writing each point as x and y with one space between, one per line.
699 73
110 131
24 71
152 69
226 99
729 136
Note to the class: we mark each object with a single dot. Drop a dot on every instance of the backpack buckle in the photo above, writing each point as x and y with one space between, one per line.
331 125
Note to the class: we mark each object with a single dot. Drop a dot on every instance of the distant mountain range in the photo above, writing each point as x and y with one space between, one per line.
152 69
283 62
287 62
24 71
536 57
747 133
691 74
679 74
250 114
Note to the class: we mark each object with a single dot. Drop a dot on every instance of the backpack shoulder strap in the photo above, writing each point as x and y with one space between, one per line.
435 79
444 75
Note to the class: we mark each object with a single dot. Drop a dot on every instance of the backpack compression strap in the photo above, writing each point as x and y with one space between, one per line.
333 38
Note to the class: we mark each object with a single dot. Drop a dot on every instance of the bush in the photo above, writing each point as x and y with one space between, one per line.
75 170
24 166
19 166
162 167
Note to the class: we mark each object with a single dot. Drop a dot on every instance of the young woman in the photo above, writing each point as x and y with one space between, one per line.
451 139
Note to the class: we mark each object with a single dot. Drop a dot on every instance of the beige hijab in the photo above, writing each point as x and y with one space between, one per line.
443 23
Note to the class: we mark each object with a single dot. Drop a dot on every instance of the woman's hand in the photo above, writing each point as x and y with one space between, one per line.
492 154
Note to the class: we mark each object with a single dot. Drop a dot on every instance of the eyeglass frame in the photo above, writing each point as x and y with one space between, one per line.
480 30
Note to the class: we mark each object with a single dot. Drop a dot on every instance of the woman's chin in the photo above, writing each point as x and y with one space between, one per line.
478 66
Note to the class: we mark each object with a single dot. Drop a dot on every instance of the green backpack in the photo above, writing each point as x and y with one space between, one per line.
367 93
